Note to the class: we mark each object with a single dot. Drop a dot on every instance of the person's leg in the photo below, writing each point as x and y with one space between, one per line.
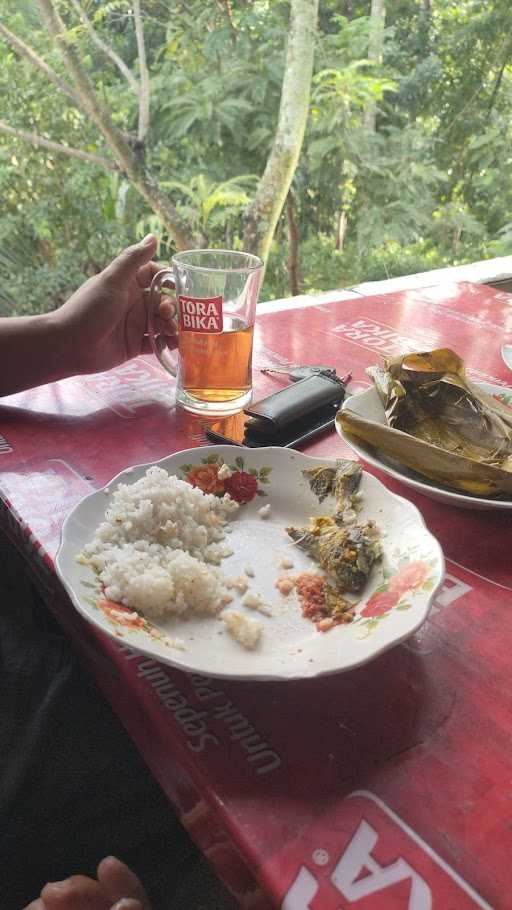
73 788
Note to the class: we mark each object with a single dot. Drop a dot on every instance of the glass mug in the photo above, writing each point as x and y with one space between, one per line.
216 292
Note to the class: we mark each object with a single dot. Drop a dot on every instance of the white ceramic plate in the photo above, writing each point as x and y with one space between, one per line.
394 604
367 404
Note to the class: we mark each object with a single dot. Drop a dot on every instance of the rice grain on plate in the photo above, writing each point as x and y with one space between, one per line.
154 551
245 631
255 602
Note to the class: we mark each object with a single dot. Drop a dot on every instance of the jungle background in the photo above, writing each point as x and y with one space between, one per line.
343 140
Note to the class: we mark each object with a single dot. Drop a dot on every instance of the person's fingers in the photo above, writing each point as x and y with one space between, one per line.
168 329
118 882
164 318
35 905
126 265
128 903
147 272
163 339
167 309
75 893
165 323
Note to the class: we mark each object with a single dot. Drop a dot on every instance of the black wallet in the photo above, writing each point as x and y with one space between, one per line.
294 402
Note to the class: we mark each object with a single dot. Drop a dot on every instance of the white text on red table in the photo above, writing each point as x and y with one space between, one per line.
357 875
223 715
5 448
346 876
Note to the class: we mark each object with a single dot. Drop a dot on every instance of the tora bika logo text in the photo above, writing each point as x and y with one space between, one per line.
200 314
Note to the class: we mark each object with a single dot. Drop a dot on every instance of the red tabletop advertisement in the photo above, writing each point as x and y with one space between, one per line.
385 788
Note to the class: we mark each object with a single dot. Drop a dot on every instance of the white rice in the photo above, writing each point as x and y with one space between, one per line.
255 602
244 630
154 551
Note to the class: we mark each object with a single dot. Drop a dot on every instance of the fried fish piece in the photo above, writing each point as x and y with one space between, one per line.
346 553
320 480
346 482
342 481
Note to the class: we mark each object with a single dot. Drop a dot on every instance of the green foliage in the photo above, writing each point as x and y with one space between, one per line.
431 186
328 268
207 205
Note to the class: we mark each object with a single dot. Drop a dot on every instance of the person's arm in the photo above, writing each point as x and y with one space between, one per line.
100 326
32 352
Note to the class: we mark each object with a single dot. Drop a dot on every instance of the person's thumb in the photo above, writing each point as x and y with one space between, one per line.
126 264
118 882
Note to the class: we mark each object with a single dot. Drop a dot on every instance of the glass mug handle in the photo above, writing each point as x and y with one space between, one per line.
162 279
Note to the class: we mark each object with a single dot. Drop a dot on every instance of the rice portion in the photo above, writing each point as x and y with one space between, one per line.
159 543
244 630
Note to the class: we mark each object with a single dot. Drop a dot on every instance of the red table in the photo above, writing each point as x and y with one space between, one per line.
386 788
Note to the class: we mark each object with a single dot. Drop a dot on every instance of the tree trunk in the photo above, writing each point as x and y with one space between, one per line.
293 245
23 50
499 78
40 142
103 46
342 230
263 214
375 53
143 74
123 154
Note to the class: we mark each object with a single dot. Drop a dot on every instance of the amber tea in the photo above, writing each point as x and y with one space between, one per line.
217 367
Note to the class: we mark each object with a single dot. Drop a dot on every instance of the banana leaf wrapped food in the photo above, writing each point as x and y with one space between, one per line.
439 424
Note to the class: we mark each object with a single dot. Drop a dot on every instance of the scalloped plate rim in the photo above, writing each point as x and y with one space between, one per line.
309 672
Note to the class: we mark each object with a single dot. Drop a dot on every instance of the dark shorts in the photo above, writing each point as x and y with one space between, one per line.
73 788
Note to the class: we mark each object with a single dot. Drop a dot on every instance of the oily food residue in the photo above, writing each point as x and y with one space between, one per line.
321 603
319 600
342 546
121 615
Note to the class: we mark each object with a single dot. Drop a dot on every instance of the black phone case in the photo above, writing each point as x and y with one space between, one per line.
291 436
296 401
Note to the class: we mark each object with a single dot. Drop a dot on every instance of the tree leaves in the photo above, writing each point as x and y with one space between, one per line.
432 186
204 198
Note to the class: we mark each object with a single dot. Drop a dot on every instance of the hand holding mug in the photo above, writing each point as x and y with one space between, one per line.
104 322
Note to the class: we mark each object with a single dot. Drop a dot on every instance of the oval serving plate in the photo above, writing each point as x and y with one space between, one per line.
393 605
368 405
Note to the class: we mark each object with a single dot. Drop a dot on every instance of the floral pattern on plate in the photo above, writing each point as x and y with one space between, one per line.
121 618
291 648
242 484
395 591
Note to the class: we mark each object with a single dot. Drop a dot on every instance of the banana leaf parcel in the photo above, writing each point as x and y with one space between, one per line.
439 424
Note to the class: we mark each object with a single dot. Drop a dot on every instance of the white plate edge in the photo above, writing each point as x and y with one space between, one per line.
252 676
425 488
